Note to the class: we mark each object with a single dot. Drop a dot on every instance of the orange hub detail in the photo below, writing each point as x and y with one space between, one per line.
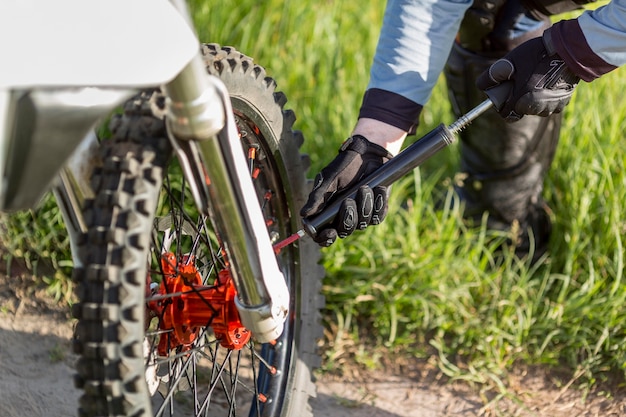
188 306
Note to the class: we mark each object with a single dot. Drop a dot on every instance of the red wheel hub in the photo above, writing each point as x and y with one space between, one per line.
187 306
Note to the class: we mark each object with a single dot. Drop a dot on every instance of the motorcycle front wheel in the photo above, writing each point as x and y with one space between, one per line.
158 332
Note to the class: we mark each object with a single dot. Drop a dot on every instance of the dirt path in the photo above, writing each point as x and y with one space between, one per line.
35 360
36 371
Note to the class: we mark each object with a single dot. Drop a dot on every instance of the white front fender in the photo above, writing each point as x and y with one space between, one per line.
50 43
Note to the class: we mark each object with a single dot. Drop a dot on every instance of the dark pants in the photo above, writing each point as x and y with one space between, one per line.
503 165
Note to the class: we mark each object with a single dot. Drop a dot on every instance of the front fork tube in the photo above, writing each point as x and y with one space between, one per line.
72 188
204 135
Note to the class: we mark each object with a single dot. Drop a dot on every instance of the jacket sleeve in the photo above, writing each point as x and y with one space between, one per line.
414 44
605 31
595 43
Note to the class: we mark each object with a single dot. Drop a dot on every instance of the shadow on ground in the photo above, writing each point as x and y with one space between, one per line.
36 373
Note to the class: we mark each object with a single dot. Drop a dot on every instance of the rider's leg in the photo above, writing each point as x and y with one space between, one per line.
503 165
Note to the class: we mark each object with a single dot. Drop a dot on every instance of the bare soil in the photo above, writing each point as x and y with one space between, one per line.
36 376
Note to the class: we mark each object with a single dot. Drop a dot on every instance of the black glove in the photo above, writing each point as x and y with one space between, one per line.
541 83
357 158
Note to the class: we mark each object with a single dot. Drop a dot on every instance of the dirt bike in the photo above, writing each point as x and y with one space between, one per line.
184 305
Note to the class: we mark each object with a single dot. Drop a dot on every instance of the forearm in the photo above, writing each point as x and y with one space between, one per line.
380 133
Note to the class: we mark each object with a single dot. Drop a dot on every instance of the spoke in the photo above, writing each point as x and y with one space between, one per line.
181 372
179 293
177 206
217 377
255 377
158 332
196 240
168 237
266 198
252 154
181 218
216 260
171 386
270 368
233 384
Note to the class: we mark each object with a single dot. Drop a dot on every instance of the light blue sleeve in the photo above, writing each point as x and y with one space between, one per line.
414 44
605 31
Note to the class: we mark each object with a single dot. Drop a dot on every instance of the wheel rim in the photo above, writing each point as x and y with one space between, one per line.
192 364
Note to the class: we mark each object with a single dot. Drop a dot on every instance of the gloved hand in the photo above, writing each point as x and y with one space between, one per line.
541 83
357 158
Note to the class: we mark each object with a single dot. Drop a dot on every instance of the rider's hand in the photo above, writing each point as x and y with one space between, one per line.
357 158
541 83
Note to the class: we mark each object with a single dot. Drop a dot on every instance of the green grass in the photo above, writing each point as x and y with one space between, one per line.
38 241
422 282
318 52
422 278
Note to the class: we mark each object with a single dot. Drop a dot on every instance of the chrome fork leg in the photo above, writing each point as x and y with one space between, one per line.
72 188
204 135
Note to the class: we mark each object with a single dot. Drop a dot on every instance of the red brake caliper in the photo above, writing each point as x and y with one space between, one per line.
189 306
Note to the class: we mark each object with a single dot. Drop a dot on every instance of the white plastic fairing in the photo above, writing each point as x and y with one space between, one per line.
50 43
